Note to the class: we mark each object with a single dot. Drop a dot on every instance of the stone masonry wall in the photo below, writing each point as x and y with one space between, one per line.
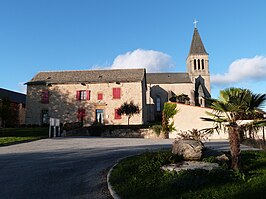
63 104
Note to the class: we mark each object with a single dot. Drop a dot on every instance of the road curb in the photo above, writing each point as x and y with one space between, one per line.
110 187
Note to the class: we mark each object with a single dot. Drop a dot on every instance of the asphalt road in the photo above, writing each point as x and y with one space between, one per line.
65 167
70 167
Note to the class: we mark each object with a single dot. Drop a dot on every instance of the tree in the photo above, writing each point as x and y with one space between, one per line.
169 112
5 110
129 109
234 105
183 99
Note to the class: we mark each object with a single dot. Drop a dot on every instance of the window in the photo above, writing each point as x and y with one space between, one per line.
45 97
100 96
116 93
117 116
195 64
83 95
81 114
202 64
45 117
158 103
198 64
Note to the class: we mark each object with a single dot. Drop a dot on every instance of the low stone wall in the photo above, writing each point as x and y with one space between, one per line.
119 133
129 133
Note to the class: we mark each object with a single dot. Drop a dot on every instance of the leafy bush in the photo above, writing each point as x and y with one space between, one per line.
141 177
157 129
169 112
194 134
72 126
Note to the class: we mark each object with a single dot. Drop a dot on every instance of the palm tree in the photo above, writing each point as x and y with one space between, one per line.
233 106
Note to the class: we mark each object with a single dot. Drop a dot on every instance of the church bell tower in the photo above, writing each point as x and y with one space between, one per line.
198 69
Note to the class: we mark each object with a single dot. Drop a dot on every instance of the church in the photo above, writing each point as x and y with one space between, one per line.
93 96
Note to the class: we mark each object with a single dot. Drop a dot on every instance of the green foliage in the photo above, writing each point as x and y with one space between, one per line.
236 104
129 109
157 129
10 136
194 134
7 113
183 99
72 125
141 177
169 112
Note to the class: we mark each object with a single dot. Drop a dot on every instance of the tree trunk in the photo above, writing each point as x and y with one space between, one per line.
234 146
128 120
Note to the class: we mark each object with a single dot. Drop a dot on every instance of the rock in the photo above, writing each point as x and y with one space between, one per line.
222 158
190 165
189 149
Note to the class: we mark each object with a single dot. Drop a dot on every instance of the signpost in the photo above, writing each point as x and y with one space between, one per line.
54 128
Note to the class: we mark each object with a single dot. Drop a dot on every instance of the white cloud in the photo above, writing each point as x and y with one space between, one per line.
242 70
153 61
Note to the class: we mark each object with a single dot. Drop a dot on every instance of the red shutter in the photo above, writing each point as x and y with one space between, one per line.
77 95
88 94
116 93
81 114
100 96
117 116
45 97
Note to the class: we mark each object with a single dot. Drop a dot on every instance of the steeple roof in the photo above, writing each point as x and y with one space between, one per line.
197 47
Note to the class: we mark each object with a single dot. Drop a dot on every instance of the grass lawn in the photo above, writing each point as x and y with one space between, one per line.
10 136
141 177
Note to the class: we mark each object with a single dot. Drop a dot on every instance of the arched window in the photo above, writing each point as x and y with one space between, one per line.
195 64
202 64
158 103
198 64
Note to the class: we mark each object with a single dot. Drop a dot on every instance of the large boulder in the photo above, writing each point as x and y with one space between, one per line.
189 149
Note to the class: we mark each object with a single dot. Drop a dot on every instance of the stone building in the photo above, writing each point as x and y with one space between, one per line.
12 106
195 83
94 95
88 96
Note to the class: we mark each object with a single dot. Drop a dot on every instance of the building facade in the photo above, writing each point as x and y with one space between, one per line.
12 108
93 96
89 96
195 83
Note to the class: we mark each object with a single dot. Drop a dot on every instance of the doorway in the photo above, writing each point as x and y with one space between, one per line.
99 116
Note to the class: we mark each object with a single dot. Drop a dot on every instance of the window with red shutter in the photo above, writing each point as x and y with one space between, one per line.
116 93
81 114
117 116
83 95
88 94
45 97
100 96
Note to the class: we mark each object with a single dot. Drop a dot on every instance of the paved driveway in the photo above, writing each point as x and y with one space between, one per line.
65 167
69 167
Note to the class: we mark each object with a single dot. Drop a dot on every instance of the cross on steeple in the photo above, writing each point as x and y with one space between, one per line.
195 23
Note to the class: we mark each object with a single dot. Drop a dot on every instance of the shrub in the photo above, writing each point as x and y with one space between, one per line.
72 126
157 129
194 134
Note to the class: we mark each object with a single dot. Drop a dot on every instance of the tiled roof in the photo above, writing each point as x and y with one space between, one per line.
197 47
89 76
167 78
13 96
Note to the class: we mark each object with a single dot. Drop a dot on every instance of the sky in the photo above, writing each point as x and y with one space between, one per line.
50 35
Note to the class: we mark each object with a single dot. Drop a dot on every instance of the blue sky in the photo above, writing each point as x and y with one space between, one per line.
46 35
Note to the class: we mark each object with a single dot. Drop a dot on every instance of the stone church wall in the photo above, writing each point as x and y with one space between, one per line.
188 118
